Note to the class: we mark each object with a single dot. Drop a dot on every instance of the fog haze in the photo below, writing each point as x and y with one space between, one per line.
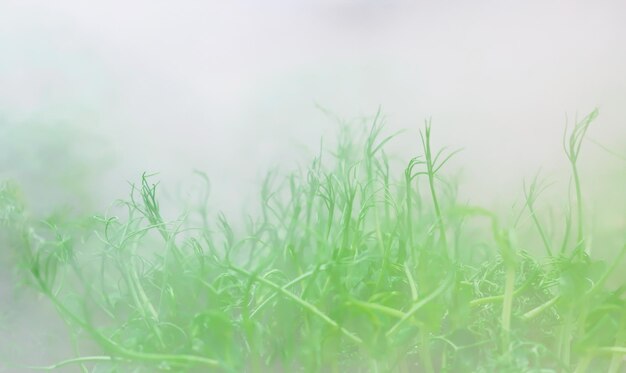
234 88
92 94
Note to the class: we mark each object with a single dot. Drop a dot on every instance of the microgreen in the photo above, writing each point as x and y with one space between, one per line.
346 267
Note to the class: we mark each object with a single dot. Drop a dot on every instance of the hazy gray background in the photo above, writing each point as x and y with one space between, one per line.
94 93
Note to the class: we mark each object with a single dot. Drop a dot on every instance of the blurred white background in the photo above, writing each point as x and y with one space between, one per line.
231 88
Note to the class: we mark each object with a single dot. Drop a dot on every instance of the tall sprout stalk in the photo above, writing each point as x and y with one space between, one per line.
572 145
433 165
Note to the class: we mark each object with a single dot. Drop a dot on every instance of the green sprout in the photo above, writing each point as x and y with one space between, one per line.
346 267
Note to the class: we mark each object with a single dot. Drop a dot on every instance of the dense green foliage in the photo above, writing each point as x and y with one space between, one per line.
346 268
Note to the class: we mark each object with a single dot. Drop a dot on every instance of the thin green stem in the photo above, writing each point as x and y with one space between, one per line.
431 170
306 305
77 360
